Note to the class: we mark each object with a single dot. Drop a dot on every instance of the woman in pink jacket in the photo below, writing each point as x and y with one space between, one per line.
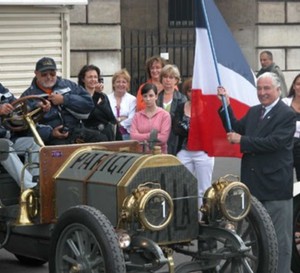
151 118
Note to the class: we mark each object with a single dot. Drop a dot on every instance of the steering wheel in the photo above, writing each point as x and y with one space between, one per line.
17 120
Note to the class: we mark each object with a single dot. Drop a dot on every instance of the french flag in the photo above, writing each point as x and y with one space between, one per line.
218 61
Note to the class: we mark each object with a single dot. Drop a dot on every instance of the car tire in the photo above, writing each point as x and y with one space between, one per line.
257 231
264 230
295 264
84 239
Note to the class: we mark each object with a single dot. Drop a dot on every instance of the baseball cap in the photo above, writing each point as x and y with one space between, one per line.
45 64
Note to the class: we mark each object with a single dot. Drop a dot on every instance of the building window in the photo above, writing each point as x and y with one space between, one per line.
181 13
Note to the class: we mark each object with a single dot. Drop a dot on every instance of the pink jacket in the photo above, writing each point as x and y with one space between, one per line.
141 126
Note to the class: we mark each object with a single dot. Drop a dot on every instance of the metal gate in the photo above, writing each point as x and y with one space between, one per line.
137 46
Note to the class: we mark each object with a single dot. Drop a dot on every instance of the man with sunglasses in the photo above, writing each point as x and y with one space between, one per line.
70 103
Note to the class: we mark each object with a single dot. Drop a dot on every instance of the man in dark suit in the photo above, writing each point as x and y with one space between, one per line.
265 135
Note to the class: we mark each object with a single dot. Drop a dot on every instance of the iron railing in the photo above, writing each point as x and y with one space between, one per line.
137 46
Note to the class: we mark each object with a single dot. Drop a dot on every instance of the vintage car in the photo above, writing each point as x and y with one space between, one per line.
108 207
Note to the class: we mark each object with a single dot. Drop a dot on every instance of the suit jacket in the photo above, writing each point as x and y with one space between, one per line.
267 162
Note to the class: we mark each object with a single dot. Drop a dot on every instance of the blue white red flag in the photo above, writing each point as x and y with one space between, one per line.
218 61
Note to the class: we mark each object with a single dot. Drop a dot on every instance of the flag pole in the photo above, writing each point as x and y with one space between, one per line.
216 64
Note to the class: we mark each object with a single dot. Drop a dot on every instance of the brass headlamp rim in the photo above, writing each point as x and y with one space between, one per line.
224 194
143 202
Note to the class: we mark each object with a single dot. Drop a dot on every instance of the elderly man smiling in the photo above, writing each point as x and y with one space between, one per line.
265 135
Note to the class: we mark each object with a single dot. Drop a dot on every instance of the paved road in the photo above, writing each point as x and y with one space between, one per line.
9 264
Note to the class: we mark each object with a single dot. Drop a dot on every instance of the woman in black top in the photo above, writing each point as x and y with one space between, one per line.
293 100
197 162
101 117
169 98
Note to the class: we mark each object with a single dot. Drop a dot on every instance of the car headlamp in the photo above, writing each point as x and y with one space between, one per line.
235 201
153 208
228 199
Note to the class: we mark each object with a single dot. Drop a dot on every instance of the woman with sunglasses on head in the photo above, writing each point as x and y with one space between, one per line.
101 117
154 66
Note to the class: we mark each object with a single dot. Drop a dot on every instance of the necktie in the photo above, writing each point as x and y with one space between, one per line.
262 113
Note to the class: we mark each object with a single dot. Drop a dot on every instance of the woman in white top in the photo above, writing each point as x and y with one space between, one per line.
122 103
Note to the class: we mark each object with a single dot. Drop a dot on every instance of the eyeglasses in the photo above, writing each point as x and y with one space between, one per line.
51 73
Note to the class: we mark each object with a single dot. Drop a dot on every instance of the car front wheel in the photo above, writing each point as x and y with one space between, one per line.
258 233
84 241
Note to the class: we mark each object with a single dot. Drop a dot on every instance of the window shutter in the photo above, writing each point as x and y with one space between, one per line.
25 37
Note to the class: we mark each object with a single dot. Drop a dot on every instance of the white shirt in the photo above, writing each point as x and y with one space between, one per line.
288 101
127 108
269 107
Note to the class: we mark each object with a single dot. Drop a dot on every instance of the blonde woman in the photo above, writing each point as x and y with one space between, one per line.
122 103
169 98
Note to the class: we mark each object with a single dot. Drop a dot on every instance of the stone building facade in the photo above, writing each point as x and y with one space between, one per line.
95 33
96 30
278 28
96 37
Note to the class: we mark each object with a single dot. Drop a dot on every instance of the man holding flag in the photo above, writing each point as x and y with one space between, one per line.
267 152
265 135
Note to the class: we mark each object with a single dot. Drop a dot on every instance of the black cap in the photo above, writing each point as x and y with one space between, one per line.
45 64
